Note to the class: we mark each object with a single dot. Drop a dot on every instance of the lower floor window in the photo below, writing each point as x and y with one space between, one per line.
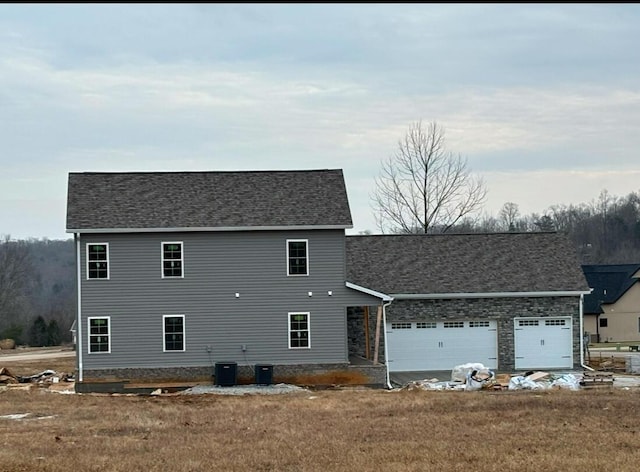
173 330
99 337
299 330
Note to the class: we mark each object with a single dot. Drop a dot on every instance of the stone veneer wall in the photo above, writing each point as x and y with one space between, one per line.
503 310
356 336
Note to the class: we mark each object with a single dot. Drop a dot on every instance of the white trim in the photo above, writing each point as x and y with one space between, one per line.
386 344
411 296
206 228
184 334
582 364
181 276
308 329
79 299
306 250
108 318
368 291
108 261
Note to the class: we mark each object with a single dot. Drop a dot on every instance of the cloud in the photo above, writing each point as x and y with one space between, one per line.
527 93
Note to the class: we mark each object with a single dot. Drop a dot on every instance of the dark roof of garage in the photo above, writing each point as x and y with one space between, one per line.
609 282
465 263
214 200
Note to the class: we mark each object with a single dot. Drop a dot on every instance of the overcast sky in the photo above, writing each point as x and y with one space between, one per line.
542 99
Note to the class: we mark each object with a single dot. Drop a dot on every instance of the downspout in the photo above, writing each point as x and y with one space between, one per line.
79 319
386 346
582 334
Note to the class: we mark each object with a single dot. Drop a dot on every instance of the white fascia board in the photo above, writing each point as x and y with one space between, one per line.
208 229
368 291
435 296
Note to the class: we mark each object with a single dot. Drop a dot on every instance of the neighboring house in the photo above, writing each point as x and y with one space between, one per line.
179 271
612 311
73 332
511 301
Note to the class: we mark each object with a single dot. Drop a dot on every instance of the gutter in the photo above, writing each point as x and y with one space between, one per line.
79 296
436 296
191 229
386 346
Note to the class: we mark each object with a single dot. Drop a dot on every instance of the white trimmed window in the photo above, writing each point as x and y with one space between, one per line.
299 331
99 334
172 259
173 332
297 257
98 261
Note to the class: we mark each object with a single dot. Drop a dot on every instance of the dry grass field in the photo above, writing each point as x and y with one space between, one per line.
328 430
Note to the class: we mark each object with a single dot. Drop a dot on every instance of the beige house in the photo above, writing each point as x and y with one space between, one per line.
612 310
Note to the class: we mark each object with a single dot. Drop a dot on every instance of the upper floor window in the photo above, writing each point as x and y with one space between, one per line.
99 334
172 259
173 330
297 257
98 261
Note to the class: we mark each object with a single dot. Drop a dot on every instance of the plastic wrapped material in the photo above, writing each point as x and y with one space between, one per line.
523 383
477 379
459 372
569 381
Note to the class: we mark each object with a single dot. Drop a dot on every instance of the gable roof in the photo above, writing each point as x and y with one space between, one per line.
157 201
609 282
465 263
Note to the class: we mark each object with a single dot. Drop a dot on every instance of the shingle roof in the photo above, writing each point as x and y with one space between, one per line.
609 282
158 200
464 263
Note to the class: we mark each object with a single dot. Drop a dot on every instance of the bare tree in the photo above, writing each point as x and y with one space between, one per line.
509 214
424 188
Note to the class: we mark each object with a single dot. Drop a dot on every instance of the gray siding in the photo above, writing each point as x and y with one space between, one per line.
218 265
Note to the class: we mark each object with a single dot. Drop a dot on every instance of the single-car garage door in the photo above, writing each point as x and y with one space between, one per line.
543 343
441 345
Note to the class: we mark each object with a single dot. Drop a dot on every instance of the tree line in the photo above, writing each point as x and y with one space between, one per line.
37 290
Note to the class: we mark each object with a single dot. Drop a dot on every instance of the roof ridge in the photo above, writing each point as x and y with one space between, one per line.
204 171
493 233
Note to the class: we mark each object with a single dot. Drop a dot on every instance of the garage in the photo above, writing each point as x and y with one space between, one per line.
440 345
543 343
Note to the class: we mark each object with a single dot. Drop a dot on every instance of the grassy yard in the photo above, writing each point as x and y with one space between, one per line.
341 430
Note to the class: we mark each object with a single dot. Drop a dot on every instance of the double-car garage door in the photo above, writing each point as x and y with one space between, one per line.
441 345
540 343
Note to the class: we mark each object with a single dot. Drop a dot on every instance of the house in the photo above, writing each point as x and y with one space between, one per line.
178 272
612 310
511 301
73 332
181 272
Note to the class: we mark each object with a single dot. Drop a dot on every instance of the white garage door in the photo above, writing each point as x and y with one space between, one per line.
543 343
441 345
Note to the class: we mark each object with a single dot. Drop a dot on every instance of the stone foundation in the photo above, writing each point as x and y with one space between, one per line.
312 375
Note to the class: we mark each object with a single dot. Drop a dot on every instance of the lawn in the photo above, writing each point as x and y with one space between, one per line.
342 430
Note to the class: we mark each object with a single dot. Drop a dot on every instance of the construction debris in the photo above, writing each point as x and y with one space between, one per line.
6 377
486 379
63 382
597 379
